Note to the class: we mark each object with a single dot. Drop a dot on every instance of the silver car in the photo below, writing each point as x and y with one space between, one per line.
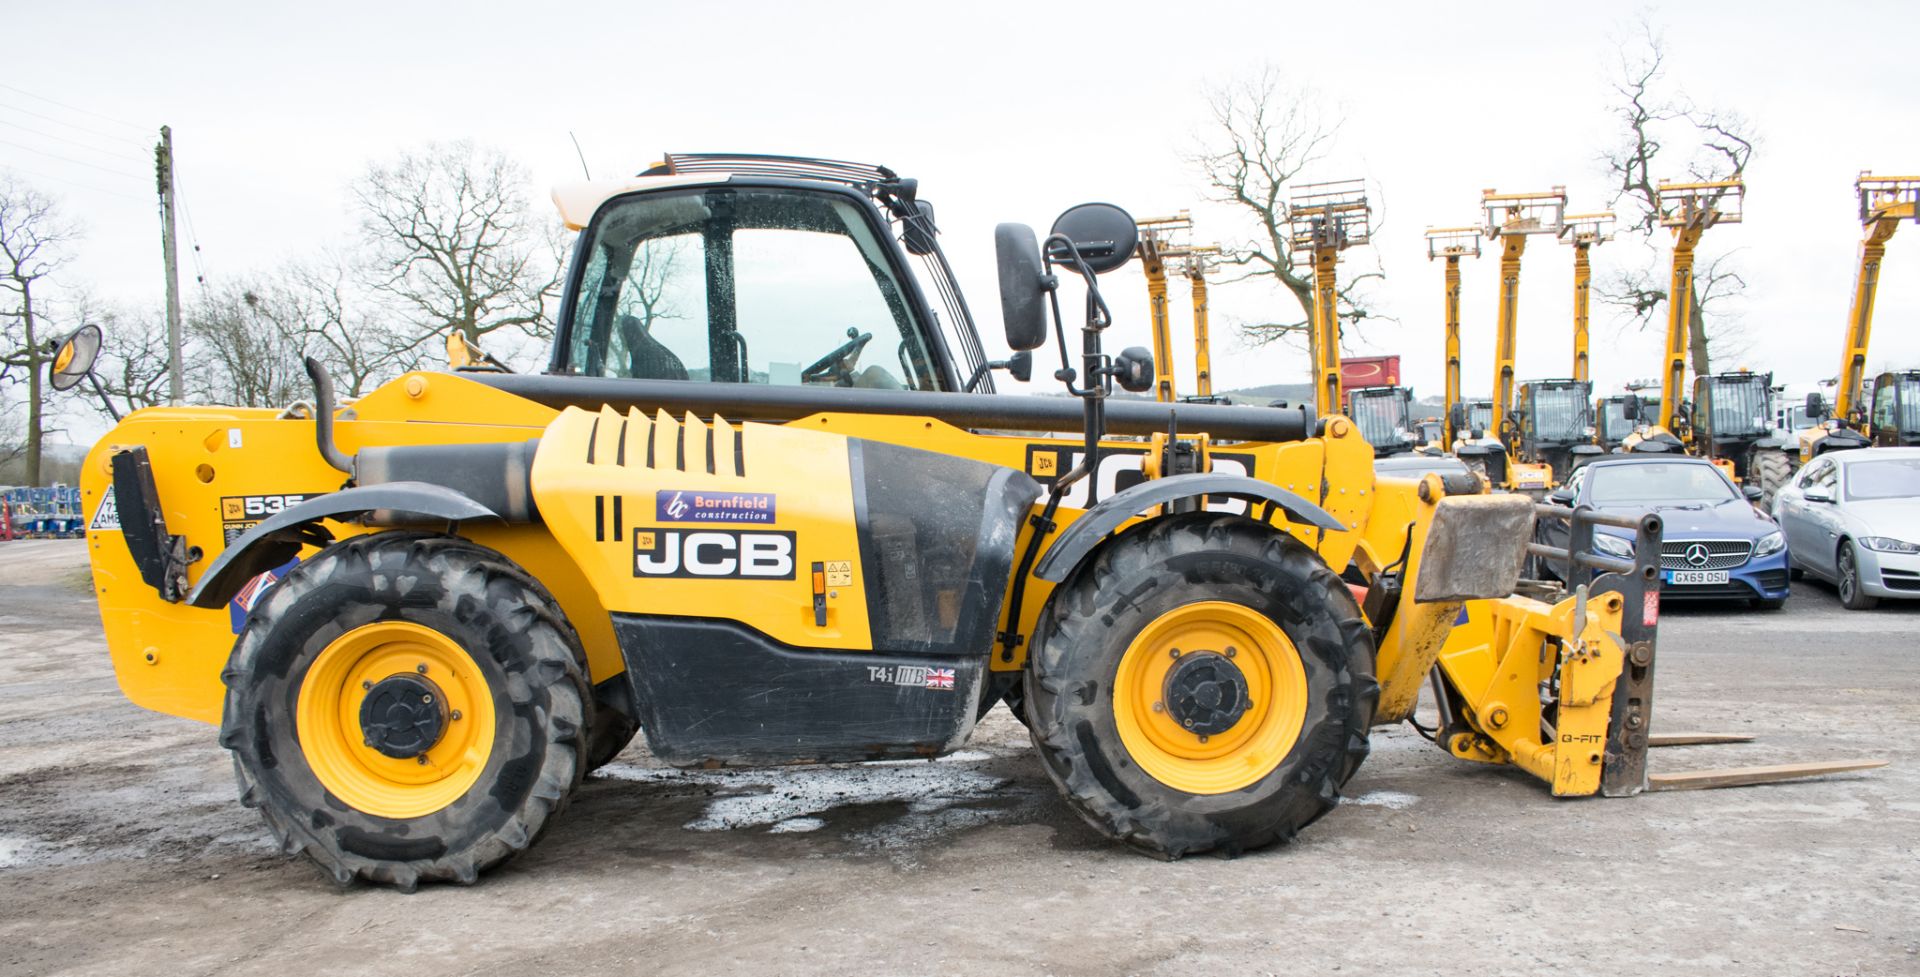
1853 517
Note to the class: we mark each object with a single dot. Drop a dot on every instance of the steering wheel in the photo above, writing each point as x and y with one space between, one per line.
837 366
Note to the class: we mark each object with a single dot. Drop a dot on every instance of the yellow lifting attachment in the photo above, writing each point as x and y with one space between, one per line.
1689 209
1511 219
1326 219
1885 201
1583 231
1156 237
1452 243
1196 263
1165 249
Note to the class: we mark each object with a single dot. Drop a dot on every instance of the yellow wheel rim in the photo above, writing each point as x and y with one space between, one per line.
1276 684
328 720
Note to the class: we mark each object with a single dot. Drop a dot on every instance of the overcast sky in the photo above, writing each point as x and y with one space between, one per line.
1004 112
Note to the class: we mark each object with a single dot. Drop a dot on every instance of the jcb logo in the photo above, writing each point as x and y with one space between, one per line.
234 508
713 553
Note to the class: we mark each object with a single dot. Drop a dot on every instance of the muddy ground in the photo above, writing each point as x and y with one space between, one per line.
123 850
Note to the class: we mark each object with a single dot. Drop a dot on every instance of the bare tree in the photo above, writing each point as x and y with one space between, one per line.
13 430
330 318
452 239
1661 131
645 295
248 344
34 238
132 368
1264 135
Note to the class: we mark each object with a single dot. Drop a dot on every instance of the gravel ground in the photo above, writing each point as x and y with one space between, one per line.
123 849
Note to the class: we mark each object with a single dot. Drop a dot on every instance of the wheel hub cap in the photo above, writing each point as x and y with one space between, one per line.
403 716
1206 693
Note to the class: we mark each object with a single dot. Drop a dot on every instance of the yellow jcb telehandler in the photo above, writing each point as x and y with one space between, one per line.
763 507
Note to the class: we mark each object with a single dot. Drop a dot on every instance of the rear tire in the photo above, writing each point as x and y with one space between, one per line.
1771 470
439 619
612 731
1847 567
1110 642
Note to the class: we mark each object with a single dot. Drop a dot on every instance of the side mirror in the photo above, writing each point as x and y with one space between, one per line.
1752 492
1561 496
1816 407
1020 366
1817 495
1024 285
1133 368
1104 235
74 358
918 235
1630 408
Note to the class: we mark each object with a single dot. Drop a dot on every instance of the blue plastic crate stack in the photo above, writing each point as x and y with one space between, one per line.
45 513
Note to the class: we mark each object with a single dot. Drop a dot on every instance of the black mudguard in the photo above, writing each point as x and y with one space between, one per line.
1086 532
278 538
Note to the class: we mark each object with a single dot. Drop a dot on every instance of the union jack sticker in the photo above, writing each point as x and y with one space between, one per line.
940 678
243 602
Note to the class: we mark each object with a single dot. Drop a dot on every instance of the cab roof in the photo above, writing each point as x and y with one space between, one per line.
579 199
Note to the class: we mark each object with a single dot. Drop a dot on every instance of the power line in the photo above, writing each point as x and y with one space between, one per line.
76 108
69 159
74 125
117 154
76 183
193 237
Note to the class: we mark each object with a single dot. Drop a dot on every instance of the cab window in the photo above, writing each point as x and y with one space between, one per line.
744 285
1883 401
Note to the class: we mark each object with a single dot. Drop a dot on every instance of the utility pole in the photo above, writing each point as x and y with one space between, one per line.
163 171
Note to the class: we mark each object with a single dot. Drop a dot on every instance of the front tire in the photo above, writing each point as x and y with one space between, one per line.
1847 567
1771 471
1204 683
406 707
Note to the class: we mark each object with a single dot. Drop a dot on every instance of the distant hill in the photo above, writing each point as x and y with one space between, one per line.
1292 393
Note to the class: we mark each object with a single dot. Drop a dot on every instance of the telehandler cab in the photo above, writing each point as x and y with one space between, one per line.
750 511
1553 427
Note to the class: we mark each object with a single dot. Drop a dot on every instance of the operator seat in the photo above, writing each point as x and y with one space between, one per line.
647 358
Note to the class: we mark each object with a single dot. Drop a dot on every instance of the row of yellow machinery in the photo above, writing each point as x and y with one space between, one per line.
1529 435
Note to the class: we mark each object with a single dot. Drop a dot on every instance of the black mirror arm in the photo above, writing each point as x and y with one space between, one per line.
980 372
105 400
1098 371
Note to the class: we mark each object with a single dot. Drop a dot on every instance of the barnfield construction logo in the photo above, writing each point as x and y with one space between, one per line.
676 505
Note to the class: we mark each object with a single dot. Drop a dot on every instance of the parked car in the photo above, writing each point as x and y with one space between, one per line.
1853 518
1716 543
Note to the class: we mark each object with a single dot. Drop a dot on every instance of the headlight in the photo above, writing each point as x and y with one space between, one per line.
1887 544
1614 546
1770 544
